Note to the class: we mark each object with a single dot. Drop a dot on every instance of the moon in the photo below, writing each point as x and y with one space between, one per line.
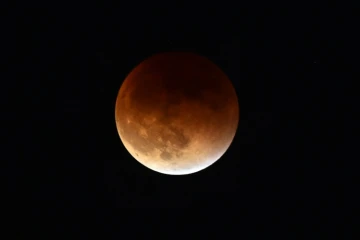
177 113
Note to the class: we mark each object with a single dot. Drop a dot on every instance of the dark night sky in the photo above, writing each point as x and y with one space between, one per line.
69 169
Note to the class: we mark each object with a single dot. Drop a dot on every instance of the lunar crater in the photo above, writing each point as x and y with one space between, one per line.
165 156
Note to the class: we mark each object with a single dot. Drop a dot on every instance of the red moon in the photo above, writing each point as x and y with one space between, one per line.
177 113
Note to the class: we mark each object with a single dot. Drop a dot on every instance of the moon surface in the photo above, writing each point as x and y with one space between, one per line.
177 113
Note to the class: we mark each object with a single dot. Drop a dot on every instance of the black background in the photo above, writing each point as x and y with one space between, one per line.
68 172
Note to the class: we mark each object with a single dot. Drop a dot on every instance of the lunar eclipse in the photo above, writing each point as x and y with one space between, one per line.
177 113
